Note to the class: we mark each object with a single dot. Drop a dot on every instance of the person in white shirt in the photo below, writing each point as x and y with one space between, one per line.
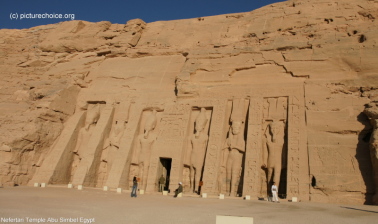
274 193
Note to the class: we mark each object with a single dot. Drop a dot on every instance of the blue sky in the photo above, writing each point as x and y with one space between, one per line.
116 11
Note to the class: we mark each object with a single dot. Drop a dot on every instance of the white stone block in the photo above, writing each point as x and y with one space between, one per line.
247 197
70 185
165 193
221 196
179 195
294 199
80 187
36 184
119 190
105 188
204 195
220 219
43 185
141 191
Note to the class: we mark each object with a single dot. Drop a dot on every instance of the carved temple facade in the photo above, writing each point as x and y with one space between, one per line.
225 134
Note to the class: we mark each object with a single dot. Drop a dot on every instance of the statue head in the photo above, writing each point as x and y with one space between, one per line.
201 122
150 124
237 116
93 115
275 129
119 126
236 127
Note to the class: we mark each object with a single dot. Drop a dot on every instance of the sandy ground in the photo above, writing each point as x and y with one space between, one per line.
63 205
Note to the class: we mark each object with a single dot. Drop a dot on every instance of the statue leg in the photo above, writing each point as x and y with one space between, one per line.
277 175
228 174
145 175
140 175
198 178
192 173
270 174
236 167
269 180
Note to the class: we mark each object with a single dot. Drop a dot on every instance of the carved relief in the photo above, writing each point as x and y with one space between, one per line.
112 144
92 117
274 146
196 150
234 148
274 141
143 148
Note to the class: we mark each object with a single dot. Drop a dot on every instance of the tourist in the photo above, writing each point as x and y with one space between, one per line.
274 193
135 187
161 183
178 190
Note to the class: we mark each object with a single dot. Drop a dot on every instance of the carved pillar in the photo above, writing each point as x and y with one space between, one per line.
218 130
253 174
298 179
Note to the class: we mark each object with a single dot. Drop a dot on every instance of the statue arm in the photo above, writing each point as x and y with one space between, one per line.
264 153
225 153
188 153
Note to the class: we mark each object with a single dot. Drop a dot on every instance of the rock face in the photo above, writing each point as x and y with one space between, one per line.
225 104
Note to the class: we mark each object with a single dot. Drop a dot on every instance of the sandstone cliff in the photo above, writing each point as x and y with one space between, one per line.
323 53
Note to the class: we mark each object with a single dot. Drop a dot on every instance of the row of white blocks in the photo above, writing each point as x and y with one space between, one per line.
79 187
247 197
40 185
119 190
221 196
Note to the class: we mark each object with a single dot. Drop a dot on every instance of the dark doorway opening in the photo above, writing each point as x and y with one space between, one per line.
165 170
283 184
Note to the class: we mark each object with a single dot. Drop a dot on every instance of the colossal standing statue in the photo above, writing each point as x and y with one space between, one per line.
275 139
234 148
144 147
198 144
91 119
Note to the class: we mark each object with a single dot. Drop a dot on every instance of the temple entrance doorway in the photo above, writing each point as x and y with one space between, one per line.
165 170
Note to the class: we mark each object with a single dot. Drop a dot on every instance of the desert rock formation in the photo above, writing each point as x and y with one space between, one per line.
297 77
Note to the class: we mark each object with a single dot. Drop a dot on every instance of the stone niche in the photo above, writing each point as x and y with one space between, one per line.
195 148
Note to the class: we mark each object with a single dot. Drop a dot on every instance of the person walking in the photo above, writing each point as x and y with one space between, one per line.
135 187
161 183
274 193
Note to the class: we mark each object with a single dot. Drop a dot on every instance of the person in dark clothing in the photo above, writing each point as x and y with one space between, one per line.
178 190
161 183
135 187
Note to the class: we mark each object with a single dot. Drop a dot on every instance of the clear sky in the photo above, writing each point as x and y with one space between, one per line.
19 14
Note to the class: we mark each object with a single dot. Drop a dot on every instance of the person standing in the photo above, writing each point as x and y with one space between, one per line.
161 183
135 187
274 193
